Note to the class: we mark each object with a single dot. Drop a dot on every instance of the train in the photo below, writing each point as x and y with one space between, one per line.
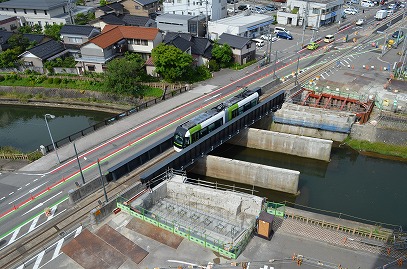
208 121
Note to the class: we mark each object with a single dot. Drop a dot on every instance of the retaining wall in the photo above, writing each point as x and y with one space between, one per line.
81 192
302 146
263 176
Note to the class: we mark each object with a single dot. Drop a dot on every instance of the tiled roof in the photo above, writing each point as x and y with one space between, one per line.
199 45
34 4
135 20
113 33
180 43
233 40
4 36
112 19
34 37
145 2
47 49
84 30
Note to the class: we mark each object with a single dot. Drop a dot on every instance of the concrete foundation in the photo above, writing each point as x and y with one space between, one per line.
263 176
310 132
302 146
318 118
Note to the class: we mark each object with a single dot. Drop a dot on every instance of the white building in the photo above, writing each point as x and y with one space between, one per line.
320 12
42 12
216 9
245 24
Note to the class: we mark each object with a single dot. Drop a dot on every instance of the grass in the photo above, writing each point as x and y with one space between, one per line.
378 147
10 150
237 66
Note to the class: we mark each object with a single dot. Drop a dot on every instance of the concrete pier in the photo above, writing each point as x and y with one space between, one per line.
302 146
263 176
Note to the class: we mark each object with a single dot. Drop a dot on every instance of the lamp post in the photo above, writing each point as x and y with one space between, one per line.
49 131
103 183
80 168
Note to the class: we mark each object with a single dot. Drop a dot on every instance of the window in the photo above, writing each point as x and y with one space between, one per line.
28 63
25 11
74 40
248 46
14 10
91 68
315 11
137 7
35 11
45 12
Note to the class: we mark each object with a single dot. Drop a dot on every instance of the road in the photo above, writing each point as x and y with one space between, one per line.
27 193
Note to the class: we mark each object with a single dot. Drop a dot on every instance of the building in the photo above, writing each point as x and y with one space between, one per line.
126 19
320 12
42 12
182 23
199 47
73 36
216 9
243 48
141 7
245 24
33 39
47 51
114 41
113 8
9 23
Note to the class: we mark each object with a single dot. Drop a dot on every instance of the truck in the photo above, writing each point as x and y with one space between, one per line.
380 15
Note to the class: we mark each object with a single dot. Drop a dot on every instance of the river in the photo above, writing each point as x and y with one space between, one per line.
351 183
24 128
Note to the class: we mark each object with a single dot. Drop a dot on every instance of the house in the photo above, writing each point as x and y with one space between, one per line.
214 9
126 19
182 23
199 47
47 51
320 12
32 39
9 23
245 24
73 36
114 41
243 48
112 8
42 12
141 7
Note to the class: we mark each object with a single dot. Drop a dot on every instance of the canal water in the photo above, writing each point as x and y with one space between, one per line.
24 128
351 184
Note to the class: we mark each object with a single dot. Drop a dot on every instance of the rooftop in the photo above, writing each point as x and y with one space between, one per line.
242 20
37 4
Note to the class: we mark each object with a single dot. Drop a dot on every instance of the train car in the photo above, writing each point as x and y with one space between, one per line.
204 123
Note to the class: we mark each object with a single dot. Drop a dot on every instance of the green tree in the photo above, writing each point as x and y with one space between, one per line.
102 3
122 74
19 42
27 29
9 58
222 54
53 31
84 18
171 63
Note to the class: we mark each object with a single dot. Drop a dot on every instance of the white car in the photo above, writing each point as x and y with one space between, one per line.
360 22
350 11
231 10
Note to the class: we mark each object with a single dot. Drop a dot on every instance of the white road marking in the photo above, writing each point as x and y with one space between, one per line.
33 224
35 179
322 76
41 204
27 184
2 198
39 259
58 248
78 231
21 266
30 191
10 193
14 236
19 188
53 209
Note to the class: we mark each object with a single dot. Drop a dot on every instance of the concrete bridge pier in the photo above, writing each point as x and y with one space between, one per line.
263 176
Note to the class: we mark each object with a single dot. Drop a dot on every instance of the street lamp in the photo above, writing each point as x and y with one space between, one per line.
103 182
49 131
80 168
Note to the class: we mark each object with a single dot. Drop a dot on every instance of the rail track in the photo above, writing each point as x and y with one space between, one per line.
15 254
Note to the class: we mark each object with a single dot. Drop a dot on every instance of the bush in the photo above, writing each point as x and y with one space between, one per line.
57 81
213 66
50 80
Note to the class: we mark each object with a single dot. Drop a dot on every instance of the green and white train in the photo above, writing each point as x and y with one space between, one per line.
204 123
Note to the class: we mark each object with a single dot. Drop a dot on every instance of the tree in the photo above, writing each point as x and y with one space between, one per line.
9 57
27 29
53 31
102 3
122 74
222 54
171 63
19 42
84 18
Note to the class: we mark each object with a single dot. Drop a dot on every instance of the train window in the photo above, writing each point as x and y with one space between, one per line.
211 127
194 137
204 132
234 113
241 110
218 123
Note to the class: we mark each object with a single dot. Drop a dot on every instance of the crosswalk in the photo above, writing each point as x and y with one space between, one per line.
29 226
49 253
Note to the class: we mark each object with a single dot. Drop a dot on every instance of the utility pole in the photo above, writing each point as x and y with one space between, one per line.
206 19
271 42
304 23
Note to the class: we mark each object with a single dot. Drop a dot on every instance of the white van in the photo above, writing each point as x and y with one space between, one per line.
280 29
329 38
259 42
367 3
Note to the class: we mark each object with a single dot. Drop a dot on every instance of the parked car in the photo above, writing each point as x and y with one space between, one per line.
243 7
284 35
231 1
231 10
259 10
270 7
350 11
329 38
268 37
312 46
360 22
398 34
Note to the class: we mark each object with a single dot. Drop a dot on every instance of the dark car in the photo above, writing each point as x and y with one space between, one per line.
231 1
242 7
270 7
398 34
284 35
